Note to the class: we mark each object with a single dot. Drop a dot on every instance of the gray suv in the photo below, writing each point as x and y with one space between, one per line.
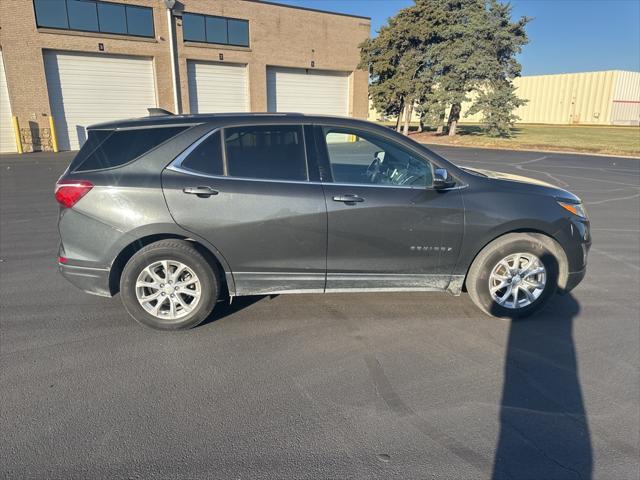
178 212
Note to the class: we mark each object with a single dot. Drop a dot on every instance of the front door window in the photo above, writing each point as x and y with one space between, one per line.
364 159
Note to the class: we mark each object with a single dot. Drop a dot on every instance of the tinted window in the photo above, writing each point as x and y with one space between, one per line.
216 30
365 159
82 15
239 32
51 13
112 18
140 21
94 139
94 16
210 29
268 152
193 28
122 146
207 157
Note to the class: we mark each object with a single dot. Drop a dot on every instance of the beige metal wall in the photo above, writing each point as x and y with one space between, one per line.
626 99
569 98
591 98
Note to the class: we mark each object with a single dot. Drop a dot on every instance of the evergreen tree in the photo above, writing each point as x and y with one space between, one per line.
395 61
454 52
497 104
497 99
437 52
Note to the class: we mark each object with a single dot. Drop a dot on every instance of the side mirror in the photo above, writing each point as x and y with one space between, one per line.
379 156
441 179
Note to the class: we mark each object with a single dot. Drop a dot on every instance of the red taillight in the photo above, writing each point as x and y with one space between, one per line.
69 192
62 260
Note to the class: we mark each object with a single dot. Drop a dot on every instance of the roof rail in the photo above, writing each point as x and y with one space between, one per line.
158 112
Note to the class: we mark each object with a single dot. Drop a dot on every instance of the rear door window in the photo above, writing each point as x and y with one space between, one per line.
206 157
108 149
272 152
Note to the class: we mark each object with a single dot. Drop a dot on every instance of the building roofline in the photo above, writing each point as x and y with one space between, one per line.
577 73
275 4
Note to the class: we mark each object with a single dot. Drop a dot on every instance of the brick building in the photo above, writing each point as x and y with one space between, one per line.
87 61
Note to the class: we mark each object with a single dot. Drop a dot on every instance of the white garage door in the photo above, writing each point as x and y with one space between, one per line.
307 91
85 89
7 139
217 87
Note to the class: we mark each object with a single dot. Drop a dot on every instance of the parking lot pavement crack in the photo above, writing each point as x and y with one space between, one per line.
395 403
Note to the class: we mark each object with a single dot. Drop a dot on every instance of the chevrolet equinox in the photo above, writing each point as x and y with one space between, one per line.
178 212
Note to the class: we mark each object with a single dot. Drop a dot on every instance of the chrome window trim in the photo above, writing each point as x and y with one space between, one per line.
180 169
176 164
186 171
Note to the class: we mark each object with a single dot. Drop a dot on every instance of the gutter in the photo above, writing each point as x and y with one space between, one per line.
174 57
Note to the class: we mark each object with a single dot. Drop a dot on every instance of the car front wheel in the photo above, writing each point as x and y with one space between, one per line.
515 275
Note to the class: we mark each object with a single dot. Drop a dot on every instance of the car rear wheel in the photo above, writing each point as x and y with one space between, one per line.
515 275
169 285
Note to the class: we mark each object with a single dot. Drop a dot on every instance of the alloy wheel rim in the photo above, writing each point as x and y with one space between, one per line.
168 289
517 280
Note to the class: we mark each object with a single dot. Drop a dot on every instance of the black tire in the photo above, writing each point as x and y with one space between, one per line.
545 248
172 250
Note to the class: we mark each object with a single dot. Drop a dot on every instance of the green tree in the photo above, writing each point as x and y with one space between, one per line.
380 57
453 54
497 99
395 60
497 104
437 52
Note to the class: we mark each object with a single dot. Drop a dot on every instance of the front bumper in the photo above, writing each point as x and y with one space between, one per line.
91 280
573 279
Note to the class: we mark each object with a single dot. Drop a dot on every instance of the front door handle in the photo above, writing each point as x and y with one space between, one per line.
202 192
349 198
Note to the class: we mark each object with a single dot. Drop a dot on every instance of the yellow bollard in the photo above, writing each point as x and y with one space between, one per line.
16 132
54 137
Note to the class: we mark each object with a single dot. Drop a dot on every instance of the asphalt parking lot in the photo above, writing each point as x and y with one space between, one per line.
381 385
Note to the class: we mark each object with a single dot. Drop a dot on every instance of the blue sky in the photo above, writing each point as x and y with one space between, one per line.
564 35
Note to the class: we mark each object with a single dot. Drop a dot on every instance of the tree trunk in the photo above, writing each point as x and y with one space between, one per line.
440 124
399 119
421 124
454 116
407 117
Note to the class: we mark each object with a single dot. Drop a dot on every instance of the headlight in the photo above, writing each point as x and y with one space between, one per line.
576 208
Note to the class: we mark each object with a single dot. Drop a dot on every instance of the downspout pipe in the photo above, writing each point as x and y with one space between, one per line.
173 49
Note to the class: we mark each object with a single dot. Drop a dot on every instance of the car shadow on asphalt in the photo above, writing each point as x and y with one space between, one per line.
544 431
228 307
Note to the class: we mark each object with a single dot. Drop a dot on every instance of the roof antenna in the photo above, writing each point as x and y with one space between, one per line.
158 112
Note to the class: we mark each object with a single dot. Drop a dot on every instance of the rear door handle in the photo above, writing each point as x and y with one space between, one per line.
202 192
349 198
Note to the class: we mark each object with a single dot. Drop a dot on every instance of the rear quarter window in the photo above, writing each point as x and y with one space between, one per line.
112 148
